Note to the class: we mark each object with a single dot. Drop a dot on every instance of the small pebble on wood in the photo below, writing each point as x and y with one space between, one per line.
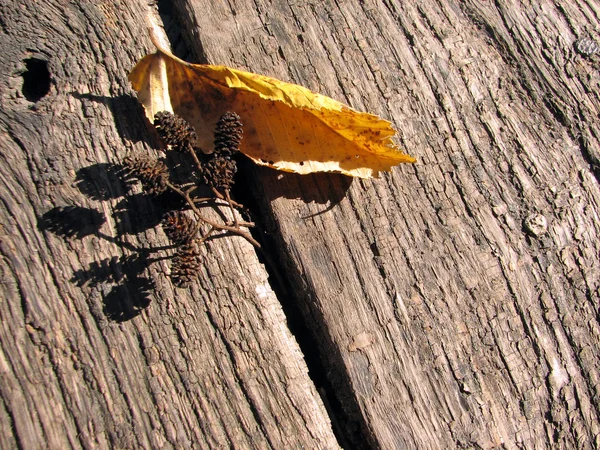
536 224
360 341
586 46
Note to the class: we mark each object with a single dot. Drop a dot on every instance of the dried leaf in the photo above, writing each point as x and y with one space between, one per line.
286 126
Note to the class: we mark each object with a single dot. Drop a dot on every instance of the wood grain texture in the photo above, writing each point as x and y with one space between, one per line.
85 362
444 319
441 316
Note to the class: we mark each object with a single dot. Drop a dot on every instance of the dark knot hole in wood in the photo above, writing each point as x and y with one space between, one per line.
36 79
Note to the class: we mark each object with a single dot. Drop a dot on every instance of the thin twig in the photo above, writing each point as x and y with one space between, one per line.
228 197
222 197
195 157
232 229
207 234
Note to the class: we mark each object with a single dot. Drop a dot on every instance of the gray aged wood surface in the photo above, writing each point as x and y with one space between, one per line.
436 308
210 367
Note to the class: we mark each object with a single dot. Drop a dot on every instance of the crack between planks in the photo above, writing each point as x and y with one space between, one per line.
349 431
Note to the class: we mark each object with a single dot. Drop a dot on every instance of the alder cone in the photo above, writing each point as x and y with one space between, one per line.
179 227
174 131
219 172
153 173
186 266
228 134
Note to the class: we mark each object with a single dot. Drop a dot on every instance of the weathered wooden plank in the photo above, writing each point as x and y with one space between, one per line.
210 367
444 318
442 321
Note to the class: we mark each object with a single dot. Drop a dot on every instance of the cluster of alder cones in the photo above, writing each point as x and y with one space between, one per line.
188 228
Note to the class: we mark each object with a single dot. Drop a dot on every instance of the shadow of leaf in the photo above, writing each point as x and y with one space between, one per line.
322 188
128 114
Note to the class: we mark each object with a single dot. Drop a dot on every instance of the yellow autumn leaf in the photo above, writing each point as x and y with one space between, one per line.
286 126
